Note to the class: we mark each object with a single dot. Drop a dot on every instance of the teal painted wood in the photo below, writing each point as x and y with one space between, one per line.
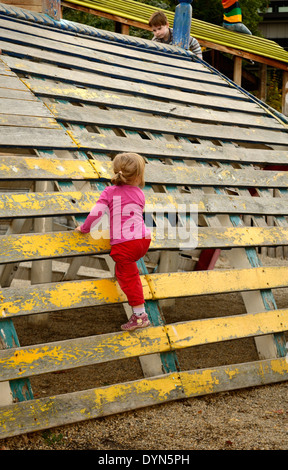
182 24
267 295
169 359
21 389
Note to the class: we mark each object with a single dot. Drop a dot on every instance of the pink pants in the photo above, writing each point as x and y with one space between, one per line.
125 256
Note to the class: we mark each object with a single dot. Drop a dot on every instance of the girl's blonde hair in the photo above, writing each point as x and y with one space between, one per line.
129 169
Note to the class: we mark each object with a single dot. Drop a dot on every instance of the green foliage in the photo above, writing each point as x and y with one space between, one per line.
205 10
274 91
52 438
252 13
85 18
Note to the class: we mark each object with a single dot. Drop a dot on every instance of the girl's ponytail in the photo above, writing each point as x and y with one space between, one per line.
119 178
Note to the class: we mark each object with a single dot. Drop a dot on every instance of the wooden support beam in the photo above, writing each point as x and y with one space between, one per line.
41 271
263 82
237 73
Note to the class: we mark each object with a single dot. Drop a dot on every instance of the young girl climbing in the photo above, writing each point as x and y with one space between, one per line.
129 237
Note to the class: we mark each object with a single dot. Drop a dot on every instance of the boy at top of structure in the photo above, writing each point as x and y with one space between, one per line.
159 24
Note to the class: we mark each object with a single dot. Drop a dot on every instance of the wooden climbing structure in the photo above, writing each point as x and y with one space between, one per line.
71 97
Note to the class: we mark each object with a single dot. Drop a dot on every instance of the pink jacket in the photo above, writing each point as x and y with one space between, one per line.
125 206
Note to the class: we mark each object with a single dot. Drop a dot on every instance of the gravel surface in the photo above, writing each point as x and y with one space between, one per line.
249 419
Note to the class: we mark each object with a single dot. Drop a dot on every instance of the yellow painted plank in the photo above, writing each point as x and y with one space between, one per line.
66 244
233 377
45 168
62 355
39 359
43 413
187 334
86 293
53 411
183 284
62 296
76 202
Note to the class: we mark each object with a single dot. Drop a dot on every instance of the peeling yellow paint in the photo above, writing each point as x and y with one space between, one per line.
199 382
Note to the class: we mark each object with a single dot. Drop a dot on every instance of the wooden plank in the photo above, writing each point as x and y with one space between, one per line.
12 82
49 412
156 172
107 83
179 284
24 107
117 71
73 407
63 355
153 55
106 57
25 95
14 168
141 121
35 246
52 204
35 138
86 293
234 377
63 295
79 352
48 88
9 120
215 330
177 150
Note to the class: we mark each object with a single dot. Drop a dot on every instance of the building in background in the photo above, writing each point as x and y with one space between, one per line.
275 22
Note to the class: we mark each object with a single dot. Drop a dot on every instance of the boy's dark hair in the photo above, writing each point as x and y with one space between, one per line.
158 19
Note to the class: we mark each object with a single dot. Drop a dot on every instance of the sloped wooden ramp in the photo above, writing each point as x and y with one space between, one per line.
71 98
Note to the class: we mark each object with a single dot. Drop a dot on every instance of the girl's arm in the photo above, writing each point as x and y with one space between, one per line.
96 213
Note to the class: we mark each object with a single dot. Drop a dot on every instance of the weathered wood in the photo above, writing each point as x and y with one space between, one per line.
60 90
107 58
36 168
36 205
86 293
24 107
116 71
178 174
233 377
69 408
12 82
152 55
35 138
24 247
63 355
155 172
139 121
149 90
214 330
49 412
177 150
41 271
27 121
